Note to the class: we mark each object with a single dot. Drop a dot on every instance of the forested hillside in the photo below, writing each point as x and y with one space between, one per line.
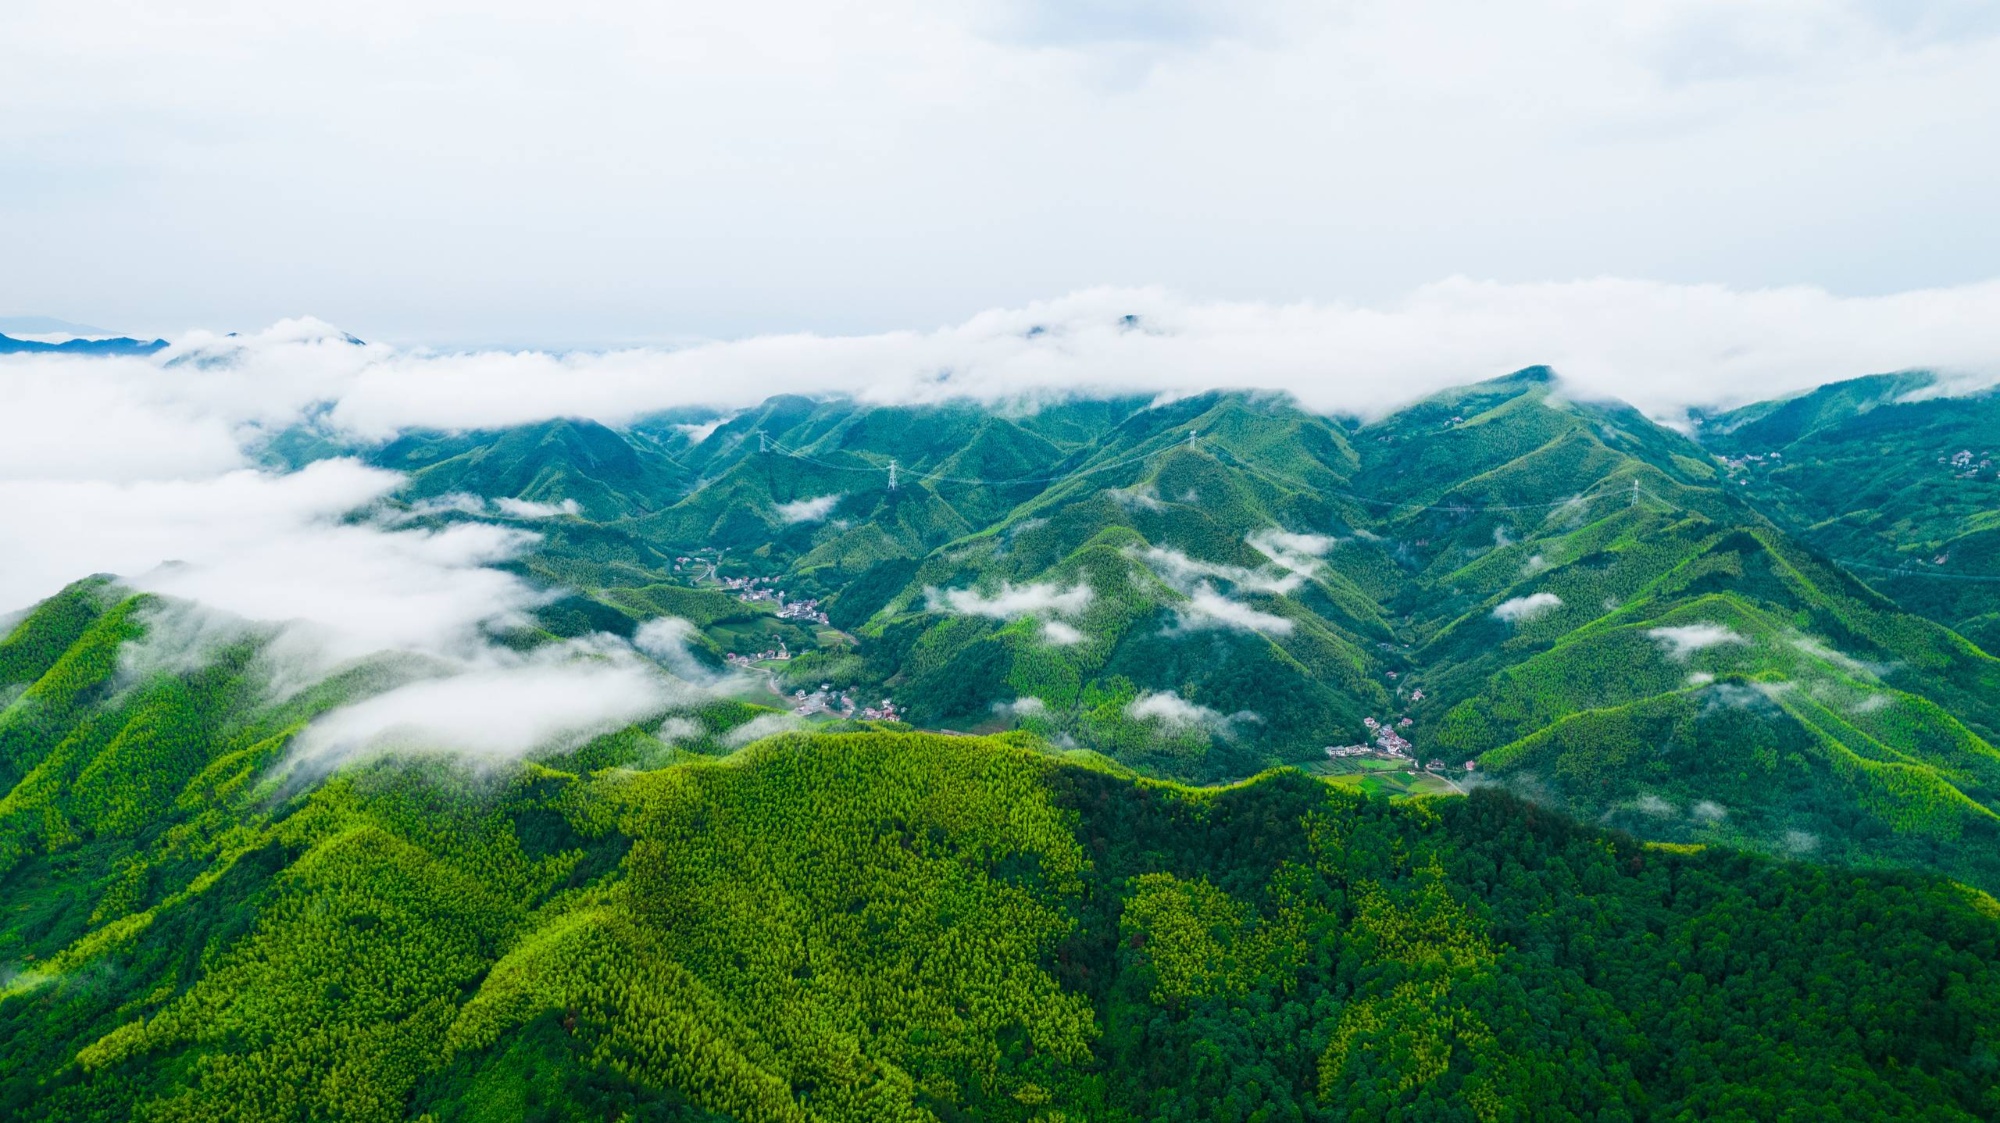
1596 610
881 925
1505 757
1892 475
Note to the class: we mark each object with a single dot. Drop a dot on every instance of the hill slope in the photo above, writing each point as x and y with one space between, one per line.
1560 591
897 926
1890 475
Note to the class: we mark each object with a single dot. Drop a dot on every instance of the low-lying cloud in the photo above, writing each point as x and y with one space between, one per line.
1520 610
1012 601
1682 641
528 509
808 510
1299 553
1029 706
1186 574
1059 634
1206 608
502 710
1174 714
760 727
126 464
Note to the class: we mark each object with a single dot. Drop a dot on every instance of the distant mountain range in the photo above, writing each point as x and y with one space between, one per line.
119 345
1745 636
1726 704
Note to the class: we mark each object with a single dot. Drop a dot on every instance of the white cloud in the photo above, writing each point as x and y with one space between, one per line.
929 159
183 414
668 639
699 433
678 729
808 510
1021 707
1655 806
1059 634
271 548
760 727
1279 542
1207 608
1185 574
1519 610
1139 497
1819 649
1170 709
1038 599
457 502
528 509
1683 641
182 636
1176 714
1298 554
502 710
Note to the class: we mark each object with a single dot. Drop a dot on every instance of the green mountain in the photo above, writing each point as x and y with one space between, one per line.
1893 477
881 925
1583 603
1707 829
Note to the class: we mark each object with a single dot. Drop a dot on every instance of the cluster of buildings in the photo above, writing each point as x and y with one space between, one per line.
1389 745
754 590
806 610
696 562
1963 464
1738 463
1388 742
1385 735
780 655
827 700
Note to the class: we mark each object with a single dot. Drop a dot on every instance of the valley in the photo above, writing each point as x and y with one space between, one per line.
1503 757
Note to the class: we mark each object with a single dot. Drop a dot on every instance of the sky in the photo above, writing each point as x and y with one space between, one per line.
603 209
599 174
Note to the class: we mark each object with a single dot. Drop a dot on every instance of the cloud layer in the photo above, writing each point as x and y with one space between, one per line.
808 510
1519 610
1012 601
125 465
1683 641
500 710
518 173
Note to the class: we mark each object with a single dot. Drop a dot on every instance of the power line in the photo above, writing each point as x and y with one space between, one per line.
1215 450
767 445
939 477
1906 572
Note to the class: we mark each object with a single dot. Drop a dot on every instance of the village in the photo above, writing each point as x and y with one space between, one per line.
1390 746
1963 466
840 703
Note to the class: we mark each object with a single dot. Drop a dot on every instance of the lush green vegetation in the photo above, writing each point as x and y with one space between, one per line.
881 925
1535 567
1892 476
1739 660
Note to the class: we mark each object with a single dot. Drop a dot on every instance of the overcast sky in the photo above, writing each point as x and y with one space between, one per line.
591 174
